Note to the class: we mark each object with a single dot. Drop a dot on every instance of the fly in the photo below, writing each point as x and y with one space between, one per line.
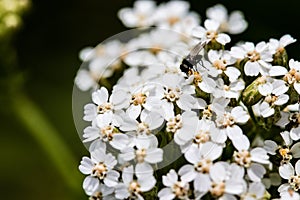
188 65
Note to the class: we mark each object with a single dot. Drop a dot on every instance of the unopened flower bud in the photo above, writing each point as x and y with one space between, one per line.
280 57
251 94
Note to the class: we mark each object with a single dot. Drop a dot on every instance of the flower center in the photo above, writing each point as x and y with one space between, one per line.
100 170
173 20
96 196
104 108
286 156
253 56
140 155
180 189
203 166
207 113
227 120
143 129
295 182
174 124
211 35
220 64
242 158
292 76
295 118
107 133
134 187
138 99
197 78
270 99
172 94
201 137
217 189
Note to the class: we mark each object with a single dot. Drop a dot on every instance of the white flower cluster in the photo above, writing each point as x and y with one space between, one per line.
234 116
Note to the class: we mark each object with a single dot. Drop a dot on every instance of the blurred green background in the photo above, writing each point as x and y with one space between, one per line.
47 47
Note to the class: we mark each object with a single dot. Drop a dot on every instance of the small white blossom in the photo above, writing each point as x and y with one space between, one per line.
210 32
258 57
233 23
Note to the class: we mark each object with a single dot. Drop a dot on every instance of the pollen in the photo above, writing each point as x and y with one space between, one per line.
138 99
242 158
253 56
100 170
104 108
217 189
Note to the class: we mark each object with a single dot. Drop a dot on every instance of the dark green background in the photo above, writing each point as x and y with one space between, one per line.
48 44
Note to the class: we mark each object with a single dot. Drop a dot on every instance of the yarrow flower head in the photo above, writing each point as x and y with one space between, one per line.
177 111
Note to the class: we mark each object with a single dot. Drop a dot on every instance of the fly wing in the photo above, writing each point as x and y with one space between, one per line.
194 56
196 50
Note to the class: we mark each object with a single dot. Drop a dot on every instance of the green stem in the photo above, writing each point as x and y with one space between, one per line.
48 138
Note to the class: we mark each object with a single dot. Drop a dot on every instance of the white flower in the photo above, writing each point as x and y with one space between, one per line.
220 61
287 171
287 193
103 104
250 159
279 45
274 96
205 131
102 192
258 57
140 15
144 152
290 77
210 32
233 24
287 152
202 159
183 126
226 181
174 89
131 187
255 191
174 188
171 13
148 123
106 131
100 170
227 123
230 91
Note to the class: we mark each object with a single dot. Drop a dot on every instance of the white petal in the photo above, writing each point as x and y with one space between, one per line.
120 141
134 111
223 38
277 71
295 133
90 185
241 142
127 175
296 150
170 178
211 25
166 194
257 188
286 171
146 183
281 100
270 146
187 173
252 68
265 89
111 178
217 172
286 137
256 172
211 151
86 165
297 167
259 155
202 183
234 187
154 155
143 169
297 87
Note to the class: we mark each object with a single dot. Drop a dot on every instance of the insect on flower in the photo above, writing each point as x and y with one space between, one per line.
188 65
